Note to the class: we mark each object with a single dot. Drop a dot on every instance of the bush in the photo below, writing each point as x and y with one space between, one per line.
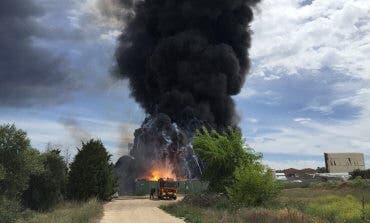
221 154
233 167
252 186
360 183
91 173
47 188
218 201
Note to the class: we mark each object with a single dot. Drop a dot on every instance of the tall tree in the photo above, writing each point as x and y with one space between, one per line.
48 187
17 161
91 173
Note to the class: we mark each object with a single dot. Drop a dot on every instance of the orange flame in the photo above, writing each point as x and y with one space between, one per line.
161 171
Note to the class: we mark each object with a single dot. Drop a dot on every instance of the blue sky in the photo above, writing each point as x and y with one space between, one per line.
308 91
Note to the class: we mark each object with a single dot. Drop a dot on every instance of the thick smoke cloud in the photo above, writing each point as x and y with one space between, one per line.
28 74
186 58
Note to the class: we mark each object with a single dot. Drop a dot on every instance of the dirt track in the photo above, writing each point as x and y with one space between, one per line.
137 211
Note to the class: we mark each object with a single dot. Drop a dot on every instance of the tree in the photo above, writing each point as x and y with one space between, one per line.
91 173
364 174
17 161
48 187
65 151
231 166
221 154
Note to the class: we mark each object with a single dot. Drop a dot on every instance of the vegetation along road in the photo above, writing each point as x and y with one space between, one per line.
137 211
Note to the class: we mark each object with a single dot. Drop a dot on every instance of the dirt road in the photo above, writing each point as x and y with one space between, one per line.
137 211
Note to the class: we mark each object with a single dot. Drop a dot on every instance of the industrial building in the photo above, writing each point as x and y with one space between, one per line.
344 162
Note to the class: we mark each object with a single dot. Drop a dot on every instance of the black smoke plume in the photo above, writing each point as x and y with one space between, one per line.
186 58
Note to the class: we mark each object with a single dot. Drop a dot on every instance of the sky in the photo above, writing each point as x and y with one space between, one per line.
308 91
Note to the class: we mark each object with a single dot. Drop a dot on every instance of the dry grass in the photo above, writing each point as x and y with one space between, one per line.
70 212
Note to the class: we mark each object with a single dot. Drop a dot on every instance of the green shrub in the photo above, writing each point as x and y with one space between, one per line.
338 209
252 186
9 210
91 173
207 200
232 167
221 154
47 188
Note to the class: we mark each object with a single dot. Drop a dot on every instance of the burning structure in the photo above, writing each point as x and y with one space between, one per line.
184 59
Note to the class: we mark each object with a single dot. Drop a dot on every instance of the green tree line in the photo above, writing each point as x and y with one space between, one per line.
31 180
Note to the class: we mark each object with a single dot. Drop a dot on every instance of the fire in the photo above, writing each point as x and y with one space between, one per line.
164 172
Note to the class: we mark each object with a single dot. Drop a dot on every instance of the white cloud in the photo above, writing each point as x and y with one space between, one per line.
302 120
246 93
331 34
315 138
334 34
252 120
111 35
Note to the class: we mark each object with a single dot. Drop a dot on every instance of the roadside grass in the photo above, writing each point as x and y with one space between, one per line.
339 209
195 214
337 196
69 212
321 203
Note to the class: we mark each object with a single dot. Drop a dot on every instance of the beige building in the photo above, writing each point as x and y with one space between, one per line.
344 162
